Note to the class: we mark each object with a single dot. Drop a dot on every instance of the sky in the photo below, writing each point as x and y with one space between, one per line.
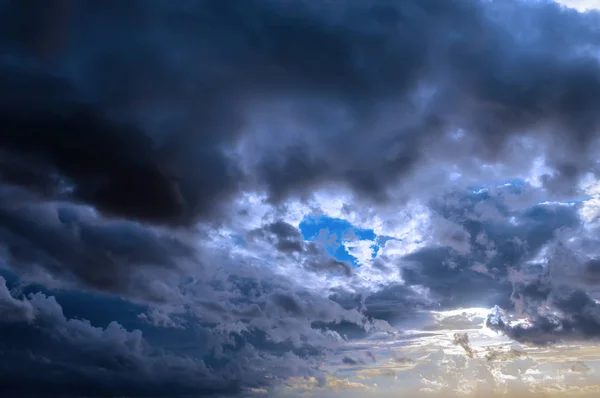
290 198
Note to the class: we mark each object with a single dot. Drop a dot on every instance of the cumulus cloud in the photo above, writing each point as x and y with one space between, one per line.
12 309
556 292
62 356
73 244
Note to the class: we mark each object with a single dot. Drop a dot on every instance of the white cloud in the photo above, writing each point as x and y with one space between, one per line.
362 250
581 5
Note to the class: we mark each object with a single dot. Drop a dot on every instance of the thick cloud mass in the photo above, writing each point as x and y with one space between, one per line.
162 90
157 160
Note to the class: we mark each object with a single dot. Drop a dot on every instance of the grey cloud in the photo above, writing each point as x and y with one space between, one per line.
488 74
580 367
287 240
350 361
162 112
500 355
444 274
372 356
118 171
319 261
66 354
64 357
592 271
494 247
289 237
303 304
287 303
247 302
569 315
12 309
79 248
452 235
556 296
395 303
562 181
462 340
381 263
285 237
188 82
403 361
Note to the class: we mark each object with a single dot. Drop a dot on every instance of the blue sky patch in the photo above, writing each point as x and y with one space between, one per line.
331 232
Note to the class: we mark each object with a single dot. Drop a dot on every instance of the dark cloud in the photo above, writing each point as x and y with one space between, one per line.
124 121
434 276
71 357
79 154
73 245
486 79
139 129
12 309
47 352
569 315
288 240
371 356
323 263
462 340
556 296
350 361
486 251
395 303
443 274
284 237
592 271
288 237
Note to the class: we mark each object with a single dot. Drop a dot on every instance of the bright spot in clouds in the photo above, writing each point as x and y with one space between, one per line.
581 5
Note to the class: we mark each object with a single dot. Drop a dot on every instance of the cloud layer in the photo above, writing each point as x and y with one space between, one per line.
160 161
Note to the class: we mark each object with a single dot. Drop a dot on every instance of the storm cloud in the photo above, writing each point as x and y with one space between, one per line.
165 154
188 84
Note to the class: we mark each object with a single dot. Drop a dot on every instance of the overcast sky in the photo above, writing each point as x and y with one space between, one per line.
280 197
